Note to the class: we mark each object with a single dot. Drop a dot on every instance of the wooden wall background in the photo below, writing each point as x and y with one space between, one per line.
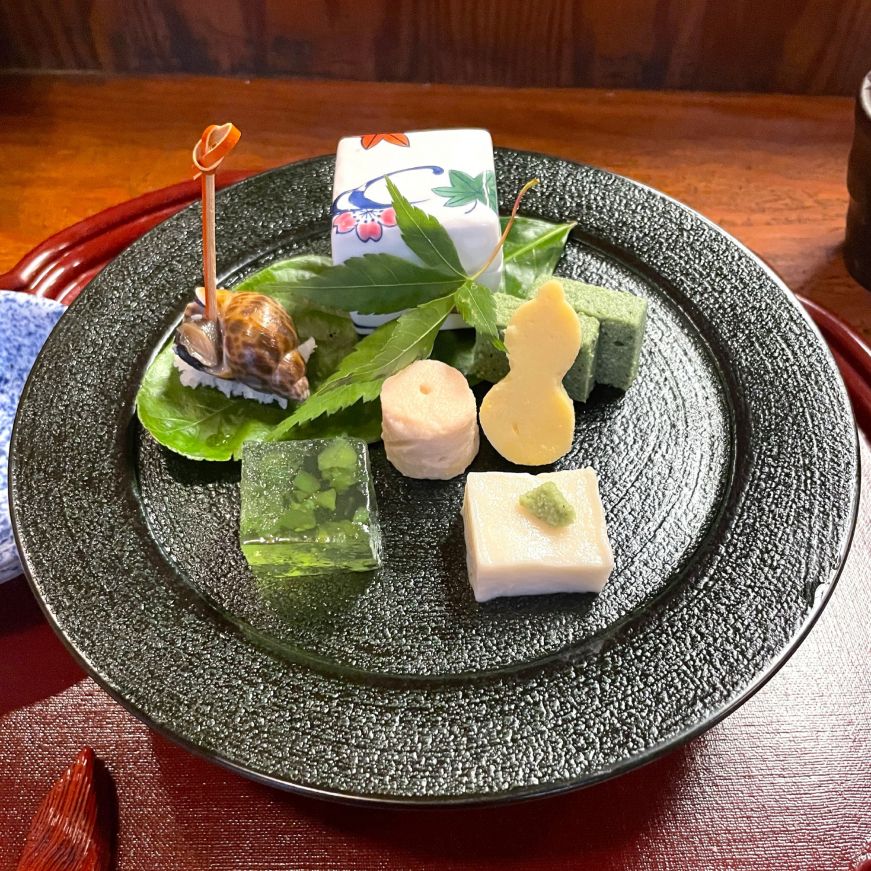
793 46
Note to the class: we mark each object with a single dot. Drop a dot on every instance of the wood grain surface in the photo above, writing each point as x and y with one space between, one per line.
770 169
804 46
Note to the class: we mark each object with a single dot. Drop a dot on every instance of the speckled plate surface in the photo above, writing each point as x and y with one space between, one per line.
729 478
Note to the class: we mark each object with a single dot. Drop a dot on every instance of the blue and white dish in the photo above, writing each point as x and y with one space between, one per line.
25 322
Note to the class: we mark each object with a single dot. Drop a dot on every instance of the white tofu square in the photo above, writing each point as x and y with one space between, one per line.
448 173
510 552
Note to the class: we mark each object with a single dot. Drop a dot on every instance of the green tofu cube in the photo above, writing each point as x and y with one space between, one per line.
491 364
308 507
622 317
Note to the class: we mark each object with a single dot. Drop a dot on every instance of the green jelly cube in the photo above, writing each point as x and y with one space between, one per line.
622 317
296 520
491 364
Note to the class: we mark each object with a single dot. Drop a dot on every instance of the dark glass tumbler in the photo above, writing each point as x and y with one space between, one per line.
857 244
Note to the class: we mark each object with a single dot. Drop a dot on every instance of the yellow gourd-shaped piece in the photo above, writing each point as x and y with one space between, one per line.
528 416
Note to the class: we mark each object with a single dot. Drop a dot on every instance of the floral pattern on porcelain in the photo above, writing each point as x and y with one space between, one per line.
367 210
368 224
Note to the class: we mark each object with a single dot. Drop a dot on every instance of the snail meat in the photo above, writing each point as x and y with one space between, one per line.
251 349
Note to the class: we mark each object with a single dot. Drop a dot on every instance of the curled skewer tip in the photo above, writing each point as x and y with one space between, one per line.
217 141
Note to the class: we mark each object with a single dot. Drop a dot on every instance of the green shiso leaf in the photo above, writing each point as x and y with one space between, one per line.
424 235
531 251
199 423
379 355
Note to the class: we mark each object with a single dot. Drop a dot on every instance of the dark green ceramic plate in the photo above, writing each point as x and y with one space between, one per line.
728 474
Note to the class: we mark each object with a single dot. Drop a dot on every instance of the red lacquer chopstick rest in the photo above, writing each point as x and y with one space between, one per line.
70 831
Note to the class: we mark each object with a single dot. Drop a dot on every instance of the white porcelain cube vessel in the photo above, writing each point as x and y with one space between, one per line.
447 173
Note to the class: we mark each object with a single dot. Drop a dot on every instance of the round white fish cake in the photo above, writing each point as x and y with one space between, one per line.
429 421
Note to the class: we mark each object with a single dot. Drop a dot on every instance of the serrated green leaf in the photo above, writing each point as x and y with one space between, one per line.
379 355
362 420
281 276
200 422
376 284
368 347
412 337
531 251
475 304
322 405
329 398
424 235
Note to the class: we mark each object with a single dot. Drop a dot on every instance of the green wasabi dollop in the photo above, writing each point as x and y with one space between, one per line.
547 503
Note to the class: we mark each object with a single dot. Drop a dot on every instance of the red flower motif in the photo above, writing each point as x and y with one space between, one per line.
344 222
369 230
370 140
369 224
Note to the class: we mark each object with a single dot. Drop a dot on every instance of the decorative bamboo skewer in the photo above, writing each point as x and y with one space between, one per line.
214 145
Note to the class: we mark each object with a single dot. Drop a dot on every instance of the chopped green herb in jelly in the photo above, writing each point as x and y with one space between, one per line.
299 518
326 499
306 483
338 455
547 503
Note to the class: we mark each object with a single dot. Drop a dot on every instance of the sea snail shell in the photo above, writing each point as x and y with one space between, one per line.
253 341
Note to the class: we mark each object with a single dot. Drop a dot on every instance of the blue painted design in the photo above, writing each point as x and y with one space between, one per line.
25 322
372 194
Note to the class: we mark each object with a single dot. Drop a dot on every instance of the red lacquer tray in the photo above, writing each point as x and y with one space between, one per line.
784 783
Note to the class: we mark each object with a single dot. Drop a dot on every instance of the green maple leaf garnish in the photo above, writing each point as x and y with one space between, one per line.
424 235
475 305
379 355
376 284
